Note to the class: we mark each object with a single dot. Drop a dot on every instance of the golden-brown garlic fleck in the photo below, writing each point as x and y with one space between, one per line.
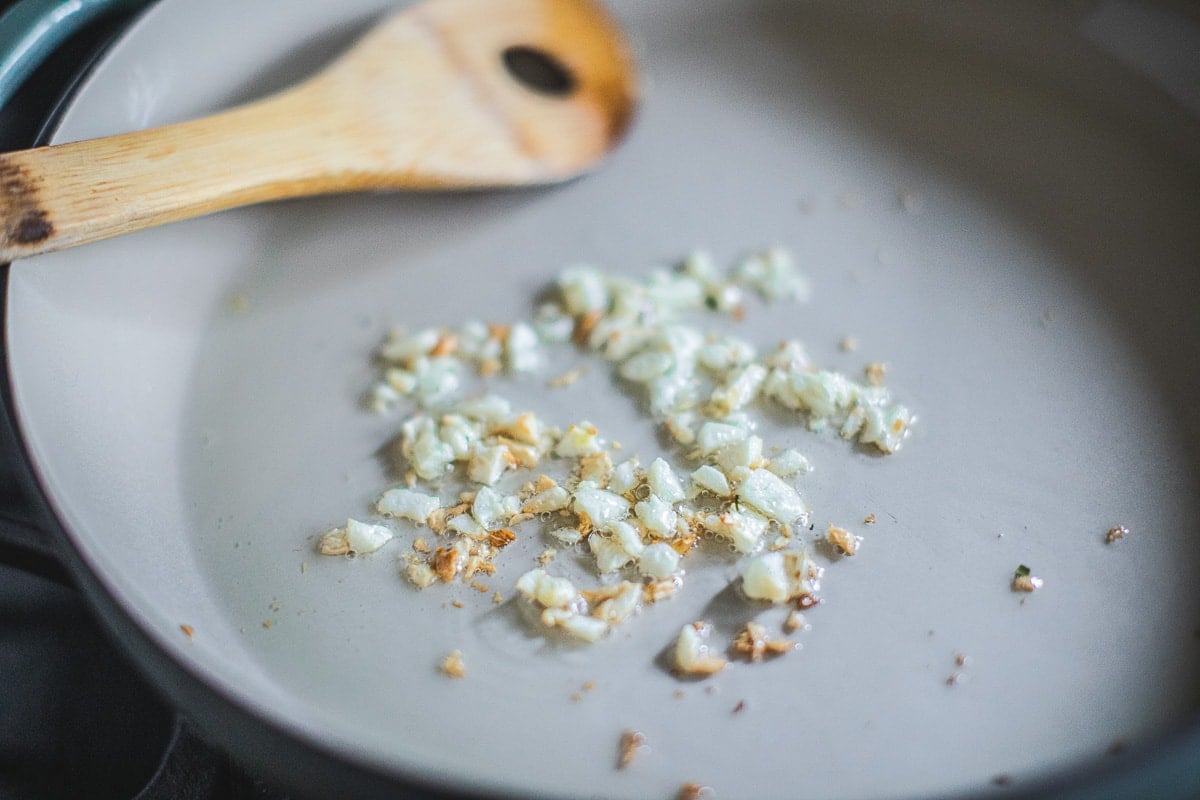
1026 583
630 742
692 653
453 665
437 520
875 372
684 544
567 378
595 597
446 563
597 468
501 537
845 541
334 544
660 590
446 345
584 326
753 643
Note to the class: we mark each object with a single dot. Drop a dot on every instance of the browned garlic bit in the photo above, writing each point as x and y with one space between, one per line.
845 541
693 656
631 742
453 665
655 591
754 643
1024 581
691 791
567 378
1115 533
875 372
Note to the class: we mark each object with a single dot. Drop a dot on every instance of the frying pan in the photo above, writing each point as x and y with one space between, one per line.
1001 203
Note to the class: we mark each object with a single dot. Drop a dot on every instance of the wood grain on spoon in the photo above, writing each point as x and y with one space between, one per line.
447 94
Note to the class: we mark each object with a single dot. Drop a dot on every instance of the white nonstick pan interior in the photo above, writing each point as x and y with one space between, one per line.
982 196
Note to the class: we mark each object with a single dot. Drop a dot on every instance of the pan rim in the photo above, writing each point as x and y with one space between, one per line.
289 754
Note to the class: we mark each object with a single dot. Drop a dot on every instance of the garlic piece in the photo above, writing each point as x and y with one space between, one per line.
407 504
767 493
693 655
363 537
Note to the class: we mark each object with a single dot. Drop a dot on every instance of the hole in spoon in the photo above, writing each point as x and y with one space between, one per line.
539 71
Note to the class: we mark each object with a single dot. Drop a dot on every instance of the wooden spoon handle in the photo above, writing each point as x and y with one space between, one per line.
58 197
427 99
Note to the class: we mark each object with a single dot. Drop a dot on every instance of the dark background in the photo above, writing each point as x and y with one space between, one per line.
76 719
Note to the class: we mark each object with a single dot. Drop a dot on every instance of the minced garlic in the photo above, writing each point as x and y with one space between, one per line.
638 523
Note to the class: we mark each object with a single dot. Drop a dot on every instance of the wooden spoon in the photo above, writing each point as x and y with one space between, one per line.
447 94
